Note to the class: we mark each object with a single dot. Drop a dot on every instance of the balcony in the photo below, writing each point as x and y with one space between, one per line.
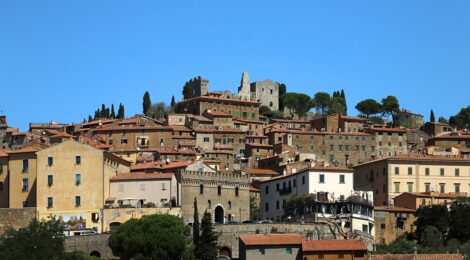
285 191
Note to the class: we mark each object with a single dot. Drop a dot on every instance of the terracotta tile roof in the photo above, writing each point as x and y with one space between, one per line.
19 133
183 137
62 134
30 149
316 168
393 209
418 257
451 137
162 151
261 172
418 157
159 165
218 114
272 239
291 121
260 145
434 194
253 189
220 99
201 118
333 245
141 176
218 152
352 118
98 121
388 130
249 121
3 153
131 128
300 132
211 161
128 121
257 136
181 128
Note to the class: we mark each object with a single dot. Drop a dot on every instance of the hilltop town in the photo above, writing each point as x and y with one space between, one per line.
262 160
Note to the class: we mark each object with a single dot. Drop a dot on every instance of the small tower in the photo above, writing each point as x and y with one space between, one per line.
244 88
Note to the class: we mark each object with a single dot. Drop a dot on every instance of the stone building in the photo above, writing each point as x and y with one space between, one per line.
445 143
198 86
270 246
339 123
390 176
73 183
226 196
347 249
4 179
131 137
216 103
392 222
388 141
266 92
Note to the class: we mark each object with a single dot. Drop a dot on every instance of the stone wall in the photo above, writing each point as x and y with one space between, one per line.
15 218
96 245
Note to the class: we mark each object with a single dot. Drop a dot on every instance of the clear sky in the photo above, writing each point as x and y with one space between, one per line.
60 60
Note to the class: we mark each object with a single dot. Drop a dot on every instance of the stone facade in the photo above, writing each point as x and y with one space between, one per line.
266 92
392 222
15 218
225 196
22 178
389 141
198 86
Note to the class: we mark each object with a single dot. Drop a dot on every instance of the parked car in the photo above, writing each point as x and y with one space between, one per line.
249 222
267 221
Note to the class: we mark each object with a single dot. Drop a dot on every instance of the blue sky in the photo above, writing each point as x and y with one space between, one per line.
60 60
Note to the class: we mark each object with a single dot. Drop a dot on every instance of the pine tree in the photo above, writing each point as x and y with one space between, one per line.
113 114
208 239
196 229
146 103
432 118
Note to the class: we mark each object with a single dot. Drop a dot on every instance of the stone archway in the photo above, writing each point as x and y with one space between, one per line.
225 251
95 254
219 214
114 225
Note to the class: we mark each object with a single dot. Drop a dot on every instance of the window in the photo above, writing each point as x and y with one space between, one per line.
253 115
346 147
50 202
372 148
201 189
427 186
163 186
341 256
442 171
50 161
288 251
277 204
1 185
78 160
78 179
1 167
426 171
142 186
121 187
123 141
341 178
410 171
457 187
25 204
77 201
397 187
321 256
397 170
410 187
110 141
25 184
442 187
266 207
277 186
236 191
295 182
332 147
322 178
25 165
219 190
303 180
245 114
261 250
266 189
457 172
50 180
209 204
206 139
229 204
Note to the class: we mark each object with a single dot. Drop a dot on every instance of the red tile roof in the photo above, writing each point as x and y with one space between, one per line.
183 137
393 209
128 121
142 176
333 245
181 128
261 172
434 194
418 257
385 129
160 165
62 134
218 114
3 153
253 189
418 157
30 149
315 168
272 239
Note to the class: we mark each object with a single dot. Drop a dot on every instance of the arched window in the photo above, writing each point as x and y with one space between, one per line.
219 190
236 191
229 205
201 189
209 204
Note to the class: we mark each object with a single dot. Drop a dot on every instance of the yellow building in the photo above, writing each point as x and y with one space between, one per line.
394 175
73 183
21 177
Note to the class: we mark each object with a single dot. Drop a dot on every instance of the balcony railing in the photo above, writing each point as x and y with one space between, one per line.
285 191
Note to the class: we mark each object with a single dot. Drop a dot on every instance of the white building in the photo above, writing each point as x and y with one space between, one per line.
318 194
138 189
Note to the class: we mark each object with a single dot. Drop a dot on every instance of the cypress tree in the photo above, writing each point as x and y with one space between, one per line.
146 103
90 118
103 111
343 97
120 114
432 118
97 114
113 114
196 230
208 239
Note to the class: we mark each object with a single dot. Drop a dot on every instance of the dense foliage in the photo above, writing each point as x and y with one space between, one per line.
462 119
298 102
155 237
146 103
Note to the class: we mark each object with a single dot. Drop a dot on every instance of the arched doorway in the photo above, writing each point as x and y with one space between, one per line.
114 225
219 214
229 218
95 253
225 251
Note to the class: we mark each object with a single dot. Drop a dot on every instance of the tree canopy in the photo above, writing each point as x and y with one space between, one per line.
207 247
299 102
369 107
323 101
154 236
146 103
282 92
462 119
